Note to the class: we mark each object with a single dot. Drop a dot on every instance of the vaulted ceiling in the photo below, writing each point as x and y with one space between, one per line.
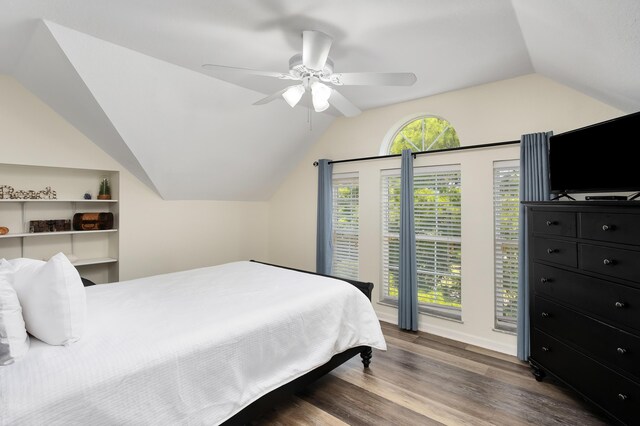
128 73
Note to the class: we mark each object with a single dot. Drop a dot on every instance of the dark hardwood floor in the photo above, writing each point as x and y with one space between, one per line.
423 380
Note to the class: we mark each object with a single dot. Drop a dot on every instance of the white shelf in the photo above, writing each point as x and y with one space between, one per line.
94 261
11 200
96 252
46 234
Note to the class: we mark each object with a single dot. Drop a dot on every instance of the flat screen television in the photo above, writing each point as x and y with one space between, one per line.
596 158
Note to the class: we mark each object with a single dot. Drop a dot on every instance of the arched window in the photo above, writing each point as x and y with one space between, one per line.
425 133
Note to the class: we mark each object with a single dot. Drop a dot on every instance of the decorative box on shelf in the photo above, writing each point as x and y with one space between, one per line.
92 221
52 225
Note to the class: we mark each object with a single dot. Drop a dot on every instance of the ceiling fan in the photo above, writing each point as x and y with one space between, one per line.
314 70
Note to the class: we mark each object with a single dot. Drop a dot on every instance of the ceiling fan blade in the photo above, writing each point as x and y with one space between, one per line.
342 104
373 78
315 49
248 71
271 97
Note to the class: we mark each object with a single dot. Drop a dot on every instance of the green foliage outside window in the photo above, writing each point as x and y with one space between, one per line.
425 134
438 261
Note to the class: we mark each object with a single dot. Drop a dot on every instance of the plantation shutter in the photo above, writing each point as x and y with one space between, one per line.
437 205
506 200
345 226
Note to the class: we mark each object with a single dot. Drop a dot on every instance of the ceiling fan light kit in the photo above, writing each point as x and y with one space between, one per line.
320 94
314 69
293 94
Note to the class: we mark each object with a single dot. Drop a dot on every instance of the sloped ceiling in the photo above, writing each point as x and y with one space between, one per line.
128 73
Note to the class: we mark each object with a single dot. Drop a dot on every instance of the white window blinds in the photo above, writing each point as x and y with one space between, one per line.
345 226
506 201
437 204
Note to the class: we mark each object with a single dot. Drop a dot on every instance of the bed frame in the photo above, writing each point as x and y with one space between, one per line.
268 401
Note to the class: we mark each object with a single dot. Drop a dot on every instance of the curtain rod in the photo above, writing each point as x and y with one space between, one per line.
415 154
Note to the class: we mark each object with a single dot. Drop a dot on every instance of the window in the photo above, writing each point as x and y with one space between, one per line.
425 133
506 205
437 202
345 226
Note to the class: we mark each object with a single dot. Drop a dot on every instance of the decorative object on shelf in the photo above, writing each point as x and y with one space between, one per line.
104 192
93 221
5 192
4 230
52 225
9 193
87 195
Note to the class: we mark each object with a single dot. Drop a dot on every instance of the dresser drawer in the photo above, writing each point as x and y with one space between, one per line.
617 263
611 391
610 227
554 223
555 251
608 301
607 344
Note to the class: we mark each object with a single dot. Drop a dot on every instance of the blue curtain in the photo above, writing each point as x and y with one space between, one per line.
324 246
534 186
408 288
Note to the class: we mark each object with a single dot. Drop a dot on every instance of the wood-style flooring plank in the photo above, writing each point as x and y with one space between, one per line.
493 354
424 379
357 406
300 413
402 396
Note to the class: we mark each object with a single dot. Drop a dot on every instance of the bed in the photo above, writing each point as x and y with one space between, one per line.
206 346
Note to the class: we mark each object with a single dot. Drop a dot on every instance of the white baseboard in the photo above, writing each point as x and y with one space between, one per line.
456 335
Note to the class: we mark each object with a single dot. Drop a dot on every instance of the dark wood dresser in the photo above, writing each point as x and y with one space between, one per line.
584 279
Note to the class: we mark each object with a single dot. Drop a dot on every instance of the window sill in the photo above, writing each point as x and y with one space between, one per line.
442 316
425 311
498 330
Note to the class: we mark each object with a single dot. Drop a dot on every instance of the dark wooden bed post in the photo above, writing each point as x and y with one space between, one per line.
366 355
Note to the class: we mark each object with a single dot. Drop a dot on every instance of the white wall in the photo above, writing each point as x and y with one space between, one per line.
493 112
156 236
159 236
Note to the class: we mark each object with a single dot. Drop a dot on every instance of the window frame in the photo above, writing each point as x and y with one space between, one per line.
510 326
336 178
390 136
442 311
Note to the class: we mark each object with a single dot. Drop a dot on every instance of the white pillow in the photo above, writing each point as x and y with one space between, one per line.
14 340
53 299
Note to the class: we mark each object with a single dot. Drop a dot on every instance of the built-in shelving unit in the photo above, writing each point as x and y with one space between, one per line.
52 234
94 253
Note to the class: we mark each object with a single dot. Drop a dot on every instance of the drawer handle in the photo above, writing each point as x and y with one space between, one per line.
622 397
607 227
544 280
551 250
620 305
608 261
546 349
621 351
544 315
551 222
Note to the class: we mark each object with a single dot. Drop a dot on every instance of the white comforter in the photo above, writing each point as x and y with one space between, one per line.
191 347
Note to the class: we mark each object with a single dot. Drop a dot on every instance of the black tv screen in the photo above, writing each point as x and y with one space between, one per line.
597 158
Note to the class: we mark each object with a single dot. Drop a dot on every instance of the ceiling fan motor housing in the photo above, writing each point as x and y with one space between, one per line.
298 70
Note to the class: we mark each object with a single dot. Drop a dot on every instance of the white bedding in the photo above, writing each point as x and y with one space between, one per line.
191 347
